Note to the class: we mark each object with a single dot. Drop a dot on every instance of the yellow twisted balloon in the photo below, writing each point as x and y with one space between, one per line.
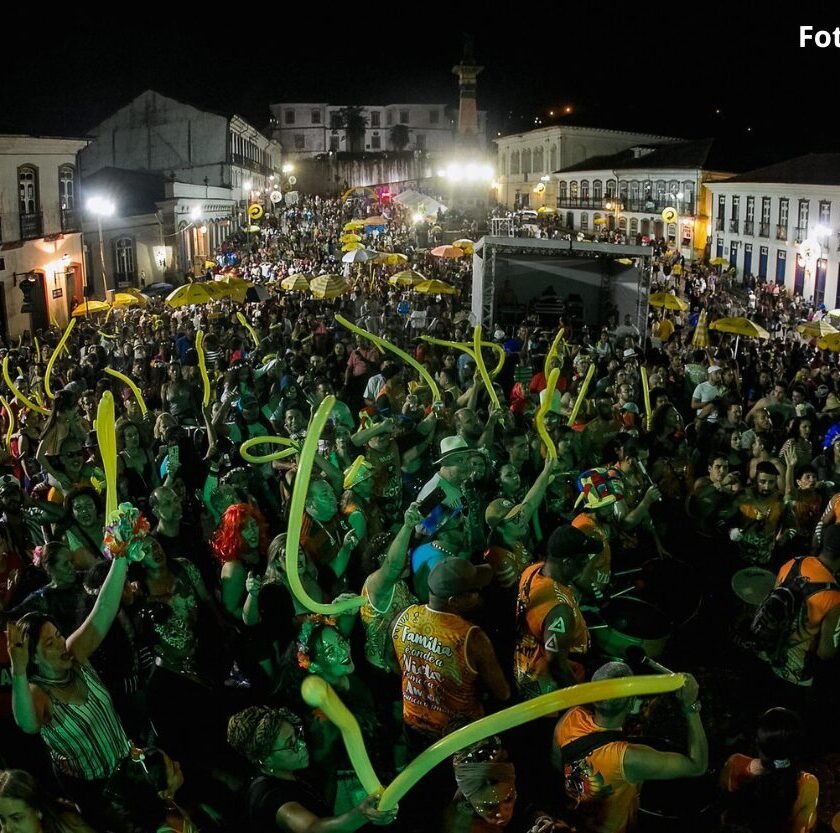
468 349
37 351
11 414
387 346
299 493
54 356
581 394
134 389
554 350
482 368
16 392
244 322
646 396
290 447
319 694
106 438
202 366
545 405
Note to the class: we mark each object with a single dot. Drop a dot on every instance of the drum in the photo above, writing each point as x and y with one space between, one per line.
629 622
673 587
685 804
751 587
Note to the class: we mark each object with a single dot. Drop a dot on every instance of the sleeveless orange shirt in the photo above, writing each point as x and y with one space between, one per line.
608 802
438 681
538 596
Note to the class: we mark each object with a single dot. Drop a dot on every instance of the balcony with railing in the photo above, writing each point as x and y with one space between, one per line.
630 204
125 278
781 232
801 233
764 229
31 225
69 220
734 226
749 227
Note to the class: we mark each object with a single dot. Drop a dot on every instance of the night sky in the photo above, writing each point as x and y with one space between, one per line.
712 70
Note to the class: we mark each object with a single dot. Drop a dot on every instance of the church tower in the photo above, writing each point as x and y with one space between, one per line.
467 72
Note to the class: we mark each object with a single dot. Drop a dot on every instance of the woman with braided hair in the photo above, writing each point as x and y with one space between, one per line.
272 740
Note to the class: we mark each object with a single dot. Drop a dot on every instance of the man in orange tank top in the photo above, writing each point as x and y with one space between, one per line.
443 657
444 660
551 631
602 782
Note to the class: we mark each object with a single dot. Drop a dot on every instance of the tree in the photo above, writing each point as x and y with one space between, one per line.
399 137
354 123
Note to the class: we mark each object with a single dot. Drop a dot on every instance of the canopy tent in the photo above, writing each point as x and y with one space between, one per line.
420 203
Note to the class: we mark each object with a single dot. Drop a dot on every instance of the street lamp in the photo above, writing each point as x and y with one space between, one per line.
101 207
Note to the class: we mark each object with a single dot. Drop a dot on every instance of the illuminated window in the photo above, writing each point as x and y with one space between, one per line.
67 186
28 189
124 256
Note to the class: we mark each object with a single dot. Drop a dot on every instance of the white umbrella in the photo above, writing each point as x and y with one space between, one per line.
360 256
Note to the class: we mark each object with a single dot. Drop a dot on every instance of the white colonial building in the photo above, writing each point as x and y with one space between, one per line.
306 130
40 231
632 191
527 160
163 136
782 223
158 232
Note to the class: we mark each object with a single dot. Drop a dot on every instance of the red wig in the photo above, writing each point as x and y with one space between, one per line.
227 543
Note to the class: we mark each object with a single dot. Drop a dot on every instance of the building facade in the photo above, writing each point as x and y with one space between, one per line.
631 191
40 231
305 130
160 135
160 230
526 161
782 224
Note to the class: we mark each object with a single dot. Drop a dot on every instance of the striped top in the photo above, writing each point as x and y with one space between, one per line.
85 740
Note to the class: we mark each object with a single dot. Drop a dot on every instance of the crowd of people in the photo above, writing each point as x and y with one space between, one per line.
162 691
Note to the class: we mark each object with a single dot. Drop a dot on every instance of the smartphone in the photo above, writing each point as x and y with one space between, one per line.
433 499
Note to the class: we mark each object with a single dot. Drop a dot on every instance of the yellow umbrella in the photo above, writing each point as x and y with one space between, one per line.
667 300
450 252
234 287
353 225
295 283
328 286
408 277
128 299
435 288
599 221
546 209
466 244
625 261
739 327
130 290
701 331
351 247
816 329
718 261
193 293
90 308
830 342
350 238
391 258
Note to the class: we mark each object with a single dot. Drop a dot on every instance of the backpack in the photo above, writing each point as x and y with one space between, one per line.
779 614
